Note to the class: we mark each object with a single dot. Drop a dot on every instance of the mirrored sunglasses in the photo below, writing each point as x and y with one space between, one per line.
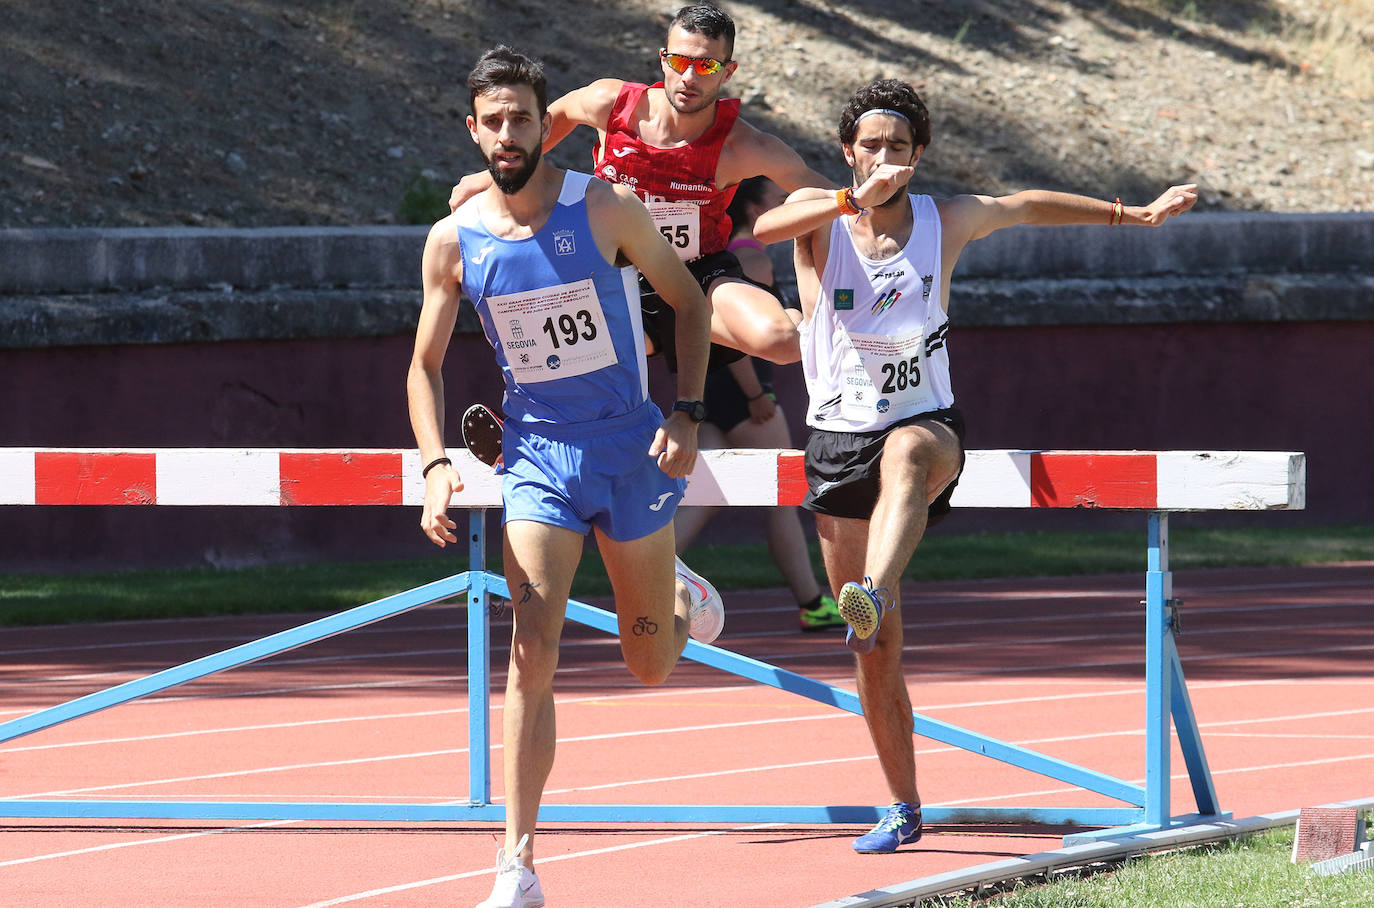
704 66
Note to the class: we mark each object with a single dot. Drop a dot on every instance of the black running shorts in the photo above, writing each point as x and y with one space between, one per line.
842 468
660 321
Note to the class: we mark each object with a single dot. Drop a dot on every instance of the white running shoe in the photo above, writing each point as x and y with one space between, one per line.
708 612
517 886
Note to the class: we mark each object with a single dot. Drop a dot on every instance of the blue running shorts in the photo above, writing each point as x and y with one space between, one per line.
595 473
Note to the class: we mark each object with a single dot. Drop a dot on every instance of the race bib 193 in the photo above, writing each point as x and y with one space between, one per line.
553 332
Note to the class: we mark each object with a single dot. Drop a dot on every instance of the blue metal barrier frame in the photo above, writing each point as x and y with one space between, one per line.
1147 806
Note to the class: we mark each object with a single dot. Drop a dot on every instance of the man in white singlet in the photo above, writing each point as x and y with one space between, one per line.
873 270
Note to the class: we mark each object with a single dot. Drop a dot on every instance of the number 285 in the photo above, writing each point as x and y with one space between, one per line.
901 375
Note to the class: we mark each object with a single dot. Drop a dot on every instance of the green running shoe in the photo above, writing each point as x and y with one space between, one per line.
826 615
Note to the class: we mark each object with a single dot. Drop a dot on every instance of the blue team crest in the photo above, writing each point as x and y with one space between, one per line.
926 281
844 299
553 362
883 405
563 242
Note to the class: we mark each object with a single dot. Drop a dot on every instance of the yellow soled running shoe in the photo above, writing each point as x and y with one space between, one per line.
862 607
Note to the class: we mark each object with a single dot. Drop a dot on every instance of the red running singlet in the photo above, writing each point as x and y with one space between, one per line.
685 175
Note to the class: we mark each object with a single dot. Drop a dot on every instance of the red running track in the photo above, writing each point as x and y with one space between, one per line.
1278 664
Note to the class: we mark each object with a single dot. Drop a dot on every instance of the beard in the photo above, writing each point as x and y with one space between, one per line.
512 181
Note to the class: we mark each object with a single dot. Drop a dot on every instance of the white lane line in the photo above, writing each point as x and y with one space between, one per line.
631 695
1042 668
134 844
956 599
237 773
418 884
1269 735
1175 777
608 736
143 644
373 893
923 751
415 681
1293 718
232 729
1127 635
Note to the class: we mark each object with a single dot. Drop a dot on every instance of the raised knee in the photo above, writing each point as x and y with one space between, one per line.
781 344
652 673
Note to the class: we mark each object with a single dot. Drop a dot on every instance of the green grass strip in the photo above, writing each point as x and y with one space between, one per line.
32 599
1253 872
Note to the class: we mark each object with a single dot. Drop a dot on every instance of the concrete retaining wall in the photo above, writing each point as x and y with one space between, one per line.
1217 332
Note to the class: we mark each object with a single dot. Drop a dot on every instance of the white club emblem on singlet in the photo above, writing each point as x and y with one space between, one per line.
552 332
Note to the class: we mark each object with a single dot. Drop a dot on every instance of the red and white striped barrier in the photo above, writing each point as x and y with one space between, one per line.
1134 480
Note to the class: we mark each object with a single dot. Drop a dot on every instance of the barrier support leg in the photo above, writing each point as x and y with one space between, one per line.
479 662
1166 697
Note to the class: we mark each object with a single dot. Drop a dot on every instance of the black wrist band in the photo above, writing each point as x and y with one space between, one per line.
756 396
424 474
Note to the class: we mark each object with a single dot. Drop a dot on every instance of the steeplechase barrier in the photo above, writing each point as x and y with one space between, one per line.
1155 483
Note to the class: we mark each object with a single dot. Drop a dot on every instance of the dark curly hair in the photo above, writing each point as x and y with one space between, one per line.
502 66
892 94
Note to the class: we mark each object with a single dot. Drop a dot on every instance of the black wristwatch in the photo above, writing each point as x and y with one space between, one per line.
695 409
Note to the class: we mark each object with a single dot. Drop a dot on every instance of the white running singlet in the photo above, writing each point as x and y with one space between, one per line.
873 351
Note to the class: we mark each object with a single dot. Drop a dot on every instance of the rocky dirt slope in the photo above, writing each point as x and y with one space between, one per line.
268 112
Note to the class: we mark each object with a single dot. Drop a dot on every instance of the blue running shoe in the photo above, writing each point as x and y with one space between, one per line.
862 607
899 826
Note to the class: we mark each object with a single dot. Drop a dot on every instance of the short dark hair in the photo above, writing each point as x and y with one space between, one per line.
707 20
891 94
502 66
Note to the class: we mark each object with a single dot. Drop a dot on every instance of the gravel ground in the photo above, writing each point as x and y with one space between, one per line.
266 112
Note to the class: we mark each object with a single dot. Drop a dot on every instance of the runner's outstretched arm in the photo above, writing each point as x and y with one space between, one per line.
971 217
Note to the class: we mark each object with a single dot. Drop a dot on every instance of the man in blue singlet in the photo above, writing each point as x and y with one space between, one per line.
873 269
549 260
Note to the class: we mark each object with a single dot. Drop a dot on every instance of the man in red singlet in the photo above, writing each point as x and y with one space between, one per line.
683 149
